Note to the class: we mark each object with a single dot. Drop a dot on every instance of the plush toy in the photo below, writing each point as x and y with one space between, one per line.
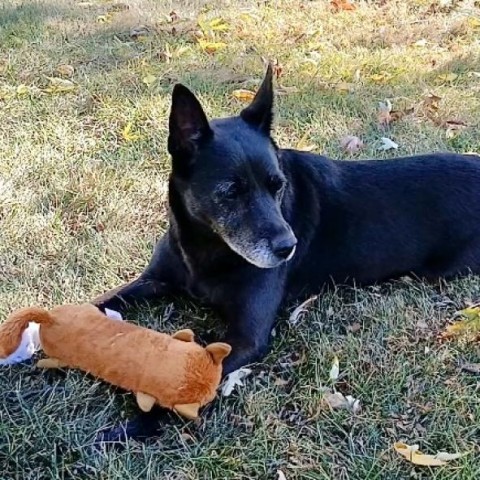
172 371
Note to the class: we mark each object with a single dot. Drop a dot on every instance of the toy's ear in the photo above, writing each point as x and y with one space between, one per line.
185 335
218 351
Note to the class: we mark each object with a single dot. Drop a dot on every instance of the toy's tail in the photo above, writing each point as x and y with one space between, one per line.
11 330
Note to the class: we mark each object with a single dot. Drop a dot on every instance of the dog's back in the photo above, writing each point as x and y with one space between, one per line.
373 220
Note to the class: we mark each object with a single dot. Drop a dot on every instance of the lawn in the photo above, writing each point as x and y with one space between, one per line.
84 100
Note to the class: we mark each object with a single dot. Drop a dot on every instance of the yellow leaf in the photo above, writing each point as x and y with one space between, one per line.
22 90
244 95
335 370
149 80
413 455
380 77
468 326
127 134
107 18
60 85
448 77
218 24
65 70
303 145
474 22
211 47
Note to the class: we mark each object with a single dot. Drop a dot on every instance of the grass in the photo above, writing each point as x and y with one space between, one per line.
81 208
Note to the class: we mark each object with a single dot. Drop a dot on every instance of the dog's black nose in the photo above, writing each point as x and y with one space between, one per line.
284 246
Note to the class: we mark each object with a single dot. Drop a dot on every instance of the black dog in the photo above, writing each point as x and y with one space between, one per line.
252 225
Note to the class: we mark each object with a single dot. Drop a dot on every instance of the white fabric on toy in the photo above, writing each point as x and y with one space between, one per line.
30 342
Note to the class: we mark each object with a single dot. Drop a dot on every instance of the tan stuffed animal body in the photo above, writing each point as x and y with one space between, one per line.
172 371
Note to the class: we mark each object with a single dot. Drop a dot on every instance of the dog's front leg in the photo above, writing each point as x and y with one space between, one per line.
250 319
163 276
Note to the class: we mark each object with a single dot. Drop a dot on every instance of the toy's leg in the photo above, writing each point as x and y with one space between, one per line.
145 401
188 410
51 363
185 335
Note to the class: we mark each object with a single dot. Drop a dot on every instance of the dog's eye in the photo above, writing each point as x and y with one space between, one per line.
275 184
230 191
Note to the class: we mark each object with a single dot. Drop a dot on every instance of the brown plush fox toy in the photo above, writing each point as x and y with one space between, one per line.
172 371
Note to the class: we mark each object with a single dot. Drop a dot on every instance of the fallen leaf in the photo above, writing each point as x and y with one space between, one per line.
344 5
380 77
384 116
471 367
420 43
149 80
431 102
303 145
286 90
22 90
280 382
59 85
211 47
343 87
446 457
281 475
300 310
351 144
107 18
448 77
413 455
139 32
335 370
388 144
243 95
65 70
233 379
354 327
336 400
127 134
468 327
474 22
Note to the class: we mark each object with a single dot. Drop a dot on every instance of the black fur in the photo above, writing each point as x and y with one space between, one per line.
231 189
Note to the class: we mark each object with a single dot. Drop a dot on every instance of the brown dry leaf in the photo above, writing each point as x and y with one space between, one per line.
413 455
280 382
468 327
337 400
65 70
344 5
471 367
343 87
243 95
384 113
431 102
300 310
354 327
351 143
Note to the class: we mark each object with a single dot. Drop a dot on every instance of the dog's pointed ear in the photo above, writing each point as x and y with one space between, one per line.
260 112
188 124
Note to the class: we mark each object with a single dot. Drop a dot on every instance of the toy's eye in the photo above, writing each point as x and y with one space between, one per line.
275 184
